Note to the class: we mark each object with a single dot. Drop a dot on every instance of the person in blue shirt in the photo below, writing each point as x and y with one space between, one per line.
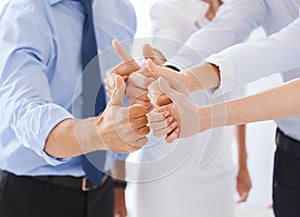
43 135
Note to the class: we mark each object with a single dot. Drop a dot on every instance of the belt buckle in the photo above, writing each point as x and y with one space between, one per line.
84 186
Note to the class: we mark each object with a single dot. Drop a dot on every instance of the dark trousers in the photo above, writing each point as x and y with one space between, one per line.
22 196
286 178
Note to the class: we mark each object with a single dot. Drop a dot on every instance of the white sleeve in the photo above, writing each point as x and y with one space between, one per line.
232 24
247 62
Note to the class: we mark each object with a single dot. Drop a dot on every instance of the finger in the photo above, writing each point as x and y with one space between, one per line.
109 85
119 92
172 136
163 132
124 213
140 122
149 53
169 91
125 78
150 108
141 142
163 100
147 103
155 126
156 71
127 68
121 51
243 197
139 80
154 93
157 116
135 92
143 131
137 111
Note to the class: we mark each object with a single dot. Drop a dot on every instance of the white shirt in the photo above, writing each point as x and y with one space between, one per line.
233 24
249 61
278 53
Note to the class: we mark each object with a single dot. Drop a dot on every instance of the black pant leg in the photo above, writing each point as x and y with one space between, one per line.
27 197
286 184
101 201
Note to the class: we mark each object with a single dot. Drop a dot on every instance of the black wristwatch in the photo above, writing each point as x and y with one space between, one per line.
120 184
173 67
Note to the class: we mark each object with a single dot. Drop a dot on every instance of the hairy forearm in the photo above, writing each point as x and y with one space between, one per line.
280 102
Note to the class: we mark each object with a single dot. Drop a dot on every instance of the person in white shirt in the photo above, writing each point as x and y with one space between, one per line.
243 63
195 186
231 26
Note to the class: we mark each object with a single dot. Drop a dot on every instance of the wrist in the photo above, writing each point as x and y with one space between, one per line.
203 76
243 163
243 166
205 118
119 184
62 141
212 116
191 82
87 135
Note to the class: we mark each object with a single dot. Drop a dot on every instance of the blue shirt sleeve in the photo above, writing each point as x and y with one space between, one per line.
25 99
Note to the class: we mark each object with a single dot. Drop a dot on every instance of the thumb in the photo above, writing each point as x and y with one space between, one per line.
148 52
119 91
165 88
156 71
153 69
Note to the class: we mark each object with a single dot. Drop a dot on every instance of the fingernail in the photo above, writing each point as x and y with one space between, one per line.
170 119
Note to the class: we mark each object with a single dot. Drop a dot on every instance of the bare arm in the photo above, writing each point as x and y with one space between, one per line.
243 180
118 174
117 129
280 102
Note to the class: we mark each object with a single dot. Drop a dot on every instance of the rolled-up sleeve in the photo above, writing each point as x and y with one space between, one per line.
25 99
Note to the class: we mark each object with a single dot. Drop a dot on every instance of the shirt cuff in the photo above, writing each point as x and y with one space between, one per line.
185 58
227 74
52 117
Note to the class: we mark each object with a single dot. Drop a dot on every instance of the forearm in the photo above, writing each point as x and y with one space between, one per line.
240 132
71 138
118 170
280 102
202 77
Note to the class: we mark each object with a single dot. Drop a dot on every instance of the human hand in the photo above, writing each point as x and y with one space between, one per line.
120 209
124 69
243 184
178 81
137 83
122 129
178 119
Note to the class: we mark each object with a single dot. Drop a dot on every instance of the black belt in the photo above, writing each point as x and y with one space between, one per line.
287 143
82 183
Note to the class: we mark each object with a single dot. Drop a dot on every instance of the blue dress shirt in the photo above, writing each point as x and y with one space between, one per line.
40 66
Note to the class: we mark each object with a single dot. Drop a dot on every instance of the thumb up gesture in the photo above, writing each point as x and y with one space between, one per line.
122 129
